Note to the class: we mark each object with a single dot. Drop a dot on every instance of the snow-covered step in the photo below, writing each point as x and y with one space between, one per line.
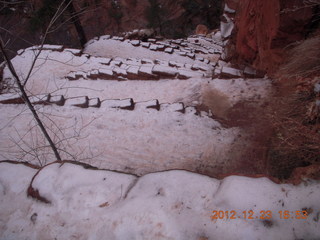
115 62
58 48
181 53
201 50
164 71
106 74
146 61
228 72
76 75
147 73
175 64
152 104
191 55
82 102
105 37
186 74
104 61
11 98
217 72
201 67
126 104
135 43
190 110
40 99
222 63
93 74
76 52
58 100
145 44
133 62
133 72
153 47
120 72
118 38
169 50
94 102
172 107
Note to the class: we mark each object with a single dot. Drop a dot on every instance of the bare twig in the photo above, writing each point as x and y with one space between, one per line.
29 104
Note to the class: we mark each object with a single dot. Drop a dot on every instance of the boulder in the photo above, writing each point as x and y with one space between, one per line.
201 29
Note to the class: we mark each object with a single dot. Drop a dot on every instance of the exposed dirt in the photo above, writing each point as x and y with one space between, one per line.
248 154
283 143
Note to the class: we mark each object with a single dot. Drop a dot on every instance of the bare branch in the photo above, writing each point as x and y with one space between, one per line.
29 104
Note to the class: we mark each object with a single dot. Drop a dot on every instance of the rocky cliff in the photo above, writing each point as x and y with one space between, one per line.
262 29
171 19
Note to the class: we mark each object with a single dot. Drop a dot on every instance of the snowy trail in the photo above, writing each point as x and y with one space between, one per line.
138 141
140 108
142 140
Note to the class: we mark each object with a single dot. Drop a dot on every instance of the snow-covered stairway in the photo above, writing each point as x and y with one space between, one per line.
121 104
129 105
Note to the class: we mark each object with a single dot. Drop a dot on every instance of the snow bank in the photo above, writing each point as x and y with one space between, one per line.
97 204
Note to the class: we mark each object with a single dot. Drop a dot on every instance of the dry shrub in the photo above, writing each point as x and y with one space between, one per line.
303 59
296 140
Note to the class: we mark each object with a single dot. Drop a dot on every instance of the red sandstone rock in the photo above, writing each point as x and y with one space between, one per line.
201 29
264 28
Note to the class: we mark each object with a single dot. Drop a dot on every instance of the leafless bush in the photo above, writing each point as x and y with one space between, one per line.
296 141
303 59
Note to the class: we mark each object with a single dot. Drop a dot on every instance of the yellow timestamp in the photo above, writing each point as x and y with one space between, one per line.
263 214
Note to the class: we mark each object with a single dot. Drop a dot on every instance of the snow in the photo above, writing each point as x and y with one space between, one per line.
137 131
226 26
106 73
76 52
164 70
108 137
79 101
125 103
176 107
57 99
39 98
151 104
146 45
169 50
228 72
135 42
165 205
227 9
185 74
94 102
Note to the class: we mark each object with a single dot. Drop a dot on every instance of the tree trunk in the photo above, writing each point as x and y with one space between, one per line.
76 21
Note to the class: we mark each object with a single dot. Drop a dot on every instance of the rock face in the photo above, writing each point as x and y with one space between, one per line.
171 19
264 28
